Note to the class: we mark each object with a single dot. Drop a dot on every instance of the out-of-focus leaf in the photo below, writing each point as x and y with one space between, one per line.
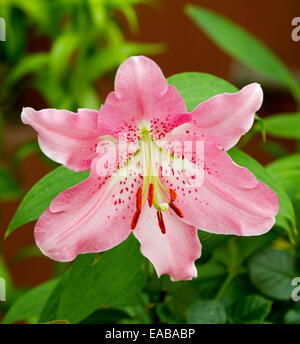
207 312
38 10
243 46
286 216
61 52
274 148
41 194
29 64
292 317
24 152
112 56
95 280
284 125
250 309
30 304
88 98
272 272
9 189
26 252
198 87
98 13
131 17
4 273
286 172
210 270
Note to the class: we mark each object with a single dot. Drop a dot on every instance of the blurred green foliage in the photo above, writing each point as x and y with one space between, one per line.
80 41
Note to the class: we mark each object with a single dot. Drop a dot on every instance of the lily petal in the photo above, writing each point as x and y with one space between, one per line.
224 118
172 253
227 199
89 217
142 96
66 137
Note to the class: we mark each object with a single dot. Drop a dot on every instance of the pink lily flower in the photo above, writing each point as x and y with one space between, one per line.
162 210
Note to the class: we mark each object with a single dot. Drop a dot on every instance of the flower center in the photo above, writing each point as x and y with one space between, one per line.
153 189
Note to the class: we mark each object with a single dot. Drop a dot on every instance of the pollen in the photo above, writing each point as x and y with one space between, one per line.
161 222
150 195
173 195
176 210
135 219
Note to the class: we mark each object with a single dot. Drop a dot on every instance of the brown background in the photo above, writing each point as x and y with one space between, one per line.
188 49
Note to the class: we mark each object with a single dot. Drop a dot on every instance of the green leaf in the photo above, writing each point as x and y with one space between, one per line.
95 280
272 271
29 64
210 270
105 316
250 309
286 216
111 57
61 52
38 10
292 317
207 312
49 311
284 125
243 46
41 194
9 189
198 87
30 304
287 173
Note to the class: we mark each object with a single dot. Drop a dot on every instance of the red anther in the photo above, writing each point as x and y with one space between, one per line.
139 199
176 210
173 195
135 219
150 195
161 222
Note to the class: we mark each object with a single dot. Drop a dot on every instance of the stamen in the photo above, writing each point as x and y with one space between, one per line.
173 195
139 199
161 222
135 219
150 195
176 210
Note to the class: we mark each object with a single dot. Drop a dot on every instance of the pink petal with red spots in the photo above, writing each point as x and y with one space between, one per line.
227 199
92 216
66 137
173 253
142 96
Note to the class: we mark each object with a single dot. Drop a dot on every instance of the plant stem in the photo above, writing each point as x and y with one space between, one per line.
224 286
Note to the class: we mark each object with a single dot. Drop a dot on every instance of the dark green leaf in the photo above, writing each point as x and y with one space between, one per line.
30 304
105 316
207 312
292 317
272 272
95 280
250 309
